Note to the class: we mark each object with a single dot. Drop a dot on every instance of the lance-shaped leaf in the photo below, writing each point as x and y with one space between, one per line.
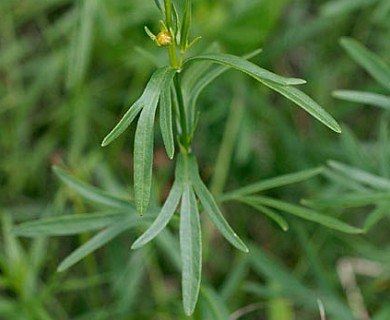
306 103
191 249
307 214
166 121
98 241
160 5
163 218
373 99
150 95
91 193
247 67
211 207
68 225
143 146
371 62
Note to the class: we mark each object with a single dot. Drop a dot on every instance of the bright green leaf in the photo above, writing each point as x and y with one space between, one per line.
373 99
247 67
191 249
163 218
166 125
68 225
149 96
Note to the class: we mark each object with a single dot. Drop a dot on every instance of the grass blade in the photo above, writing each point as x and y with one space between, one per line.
307 214
211 207
96 242
166 125
368 60
67 225
247 67
215 306
150 95
91 193
373 99
163 218
191 249
271 183
306 103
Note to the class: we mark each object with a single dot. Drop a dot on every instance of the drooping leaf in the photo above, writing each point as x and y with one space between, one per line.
211 207
68 225
163 218
98 241
280 221
149 96
143 145
361 176
247 67
368 60
166 125
306 103
92 193
373 99
307 214
271 183
191 249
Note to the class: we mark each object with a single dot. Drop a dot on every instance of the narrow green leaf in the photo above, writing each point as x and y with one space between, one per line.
373 99
361 176
307 214
92 193
143 144
191 249
272 183
160 5
348 200
67 225
217 310
211 207
368 60
376 215
185 27
166 125
306 103
97 241
280 221
150 95
247 67
163 218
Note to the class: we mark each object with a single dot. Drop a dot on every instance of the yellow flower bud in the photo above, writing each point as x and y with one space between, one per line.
164 39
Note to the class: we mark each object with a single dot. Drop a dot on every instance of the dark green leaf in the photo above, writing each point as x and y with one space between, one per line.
211 207
272 183
191 249
68 225
91 193
368 60
307 214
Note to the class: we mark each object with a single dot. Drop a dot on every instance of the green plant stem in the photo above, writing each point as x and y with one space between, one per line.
185 139
172 48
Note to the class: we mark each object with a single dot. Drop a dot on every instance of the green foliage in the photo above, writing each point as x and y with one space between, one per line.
67 69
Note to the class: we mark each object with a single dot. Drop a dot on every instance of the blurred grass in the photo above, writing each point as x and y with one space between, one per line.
67 72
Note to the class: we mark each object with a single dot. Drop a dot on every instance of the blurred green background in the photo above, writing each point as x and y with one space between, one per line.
68 71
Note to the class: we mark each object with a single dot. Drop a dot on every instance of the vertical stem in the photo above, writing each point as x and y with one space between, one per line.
182 113
172 48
